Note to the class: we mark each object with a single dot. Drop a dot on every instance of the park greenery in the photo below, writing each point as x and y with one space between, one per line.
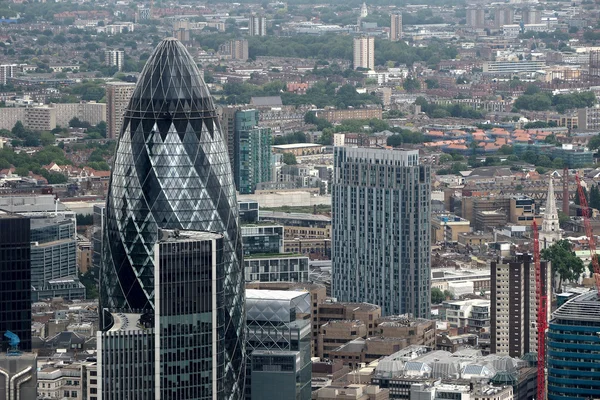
535 100
321 94
444 111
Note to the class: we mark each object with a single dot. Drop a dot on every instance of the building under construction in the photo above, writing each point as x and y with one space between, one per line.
594 66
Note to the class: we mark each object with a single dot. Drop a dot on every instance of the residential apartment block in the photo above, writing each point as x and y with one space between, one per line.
382 230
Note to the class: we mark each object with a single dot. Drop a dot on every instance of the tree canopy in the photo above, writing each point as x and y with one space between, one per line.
564 261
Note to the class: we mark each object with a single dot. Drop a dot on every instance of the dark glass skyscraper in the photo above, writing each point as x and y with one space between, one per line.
171 171
15 279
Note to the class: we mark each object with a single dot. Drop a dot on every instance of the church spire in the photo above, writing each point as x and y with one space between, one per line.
550 227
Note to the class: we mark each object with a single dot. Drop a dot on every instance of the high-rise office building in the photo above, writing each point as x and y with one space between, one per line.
188 282
278 345
573 350
396 27
117 98
15 279
54 258
114 58
364 52
382 229
514 305
550 232
257 25
476 17
252 158
170 172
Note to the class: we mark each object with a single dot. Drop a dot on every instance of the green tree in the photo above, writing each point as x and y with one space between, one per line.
594 197
432 83
563 218
437 296
564 261
505 149
594 142
411 84
101 127
91 288
46 138
444 158
289 159
18 130
448 295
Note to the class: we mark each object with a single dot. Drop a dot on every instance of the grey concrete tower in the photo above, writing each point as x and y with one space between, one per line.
382 229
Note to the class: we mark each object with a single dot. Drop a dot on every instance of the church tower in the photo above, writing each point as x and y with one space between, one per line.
364 11
550 232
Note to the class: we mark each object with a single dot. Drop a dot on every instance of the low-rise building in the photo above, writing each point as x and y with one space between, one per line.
334 334
471 314
447 227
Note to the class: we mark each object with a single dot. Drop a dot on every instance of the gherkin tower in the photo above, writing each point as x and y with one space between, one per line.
171 172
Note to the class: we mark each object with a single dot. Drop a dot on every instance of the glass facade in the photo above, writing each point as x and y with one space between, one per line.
15 277
253 161
172 171
96 240
190 316
276 268
54 259
382 230
248 211
278 345
263 239
573 351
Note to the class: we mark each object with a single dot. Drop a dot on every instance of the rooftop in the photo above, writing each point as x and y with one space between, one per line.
295 146
266 294
585 307
125 322
273 256
299 216
176 235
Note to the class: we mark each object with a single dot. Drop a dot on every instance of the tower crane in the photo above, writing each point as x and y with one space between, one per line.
585 210
542 316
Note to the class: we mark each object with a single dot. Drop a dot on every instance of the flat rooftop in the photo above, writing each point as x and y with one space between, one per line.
295 146
267 294
297 216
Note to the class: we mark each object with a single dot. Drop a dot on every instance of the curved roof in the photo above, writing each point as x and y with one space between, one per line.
585 307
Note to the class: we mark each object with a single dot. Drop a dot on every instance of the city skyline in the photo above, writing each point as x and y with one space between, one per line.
367 200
